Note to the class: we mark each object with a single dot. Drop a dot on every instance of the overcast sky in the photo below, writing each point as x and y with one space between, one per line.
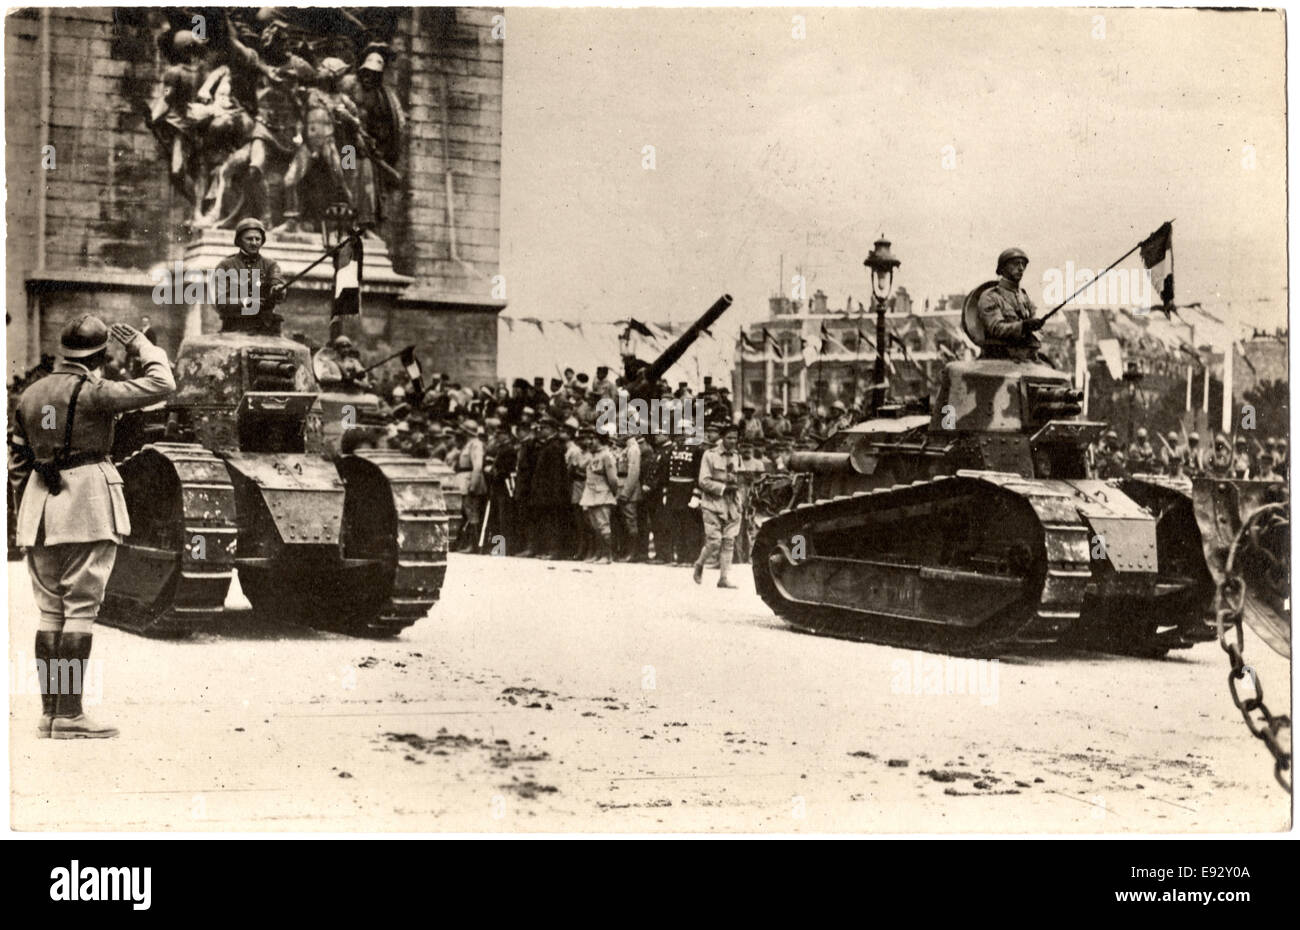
1072 139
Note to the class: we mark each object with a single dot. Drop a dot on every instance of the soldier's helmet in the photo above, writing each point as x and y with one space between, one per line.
186 41
341 344
1111 436
1142 432
1281 445
83 337
1241 441
332 68
1172 437
1008 254
1221 441
1193 438
247 223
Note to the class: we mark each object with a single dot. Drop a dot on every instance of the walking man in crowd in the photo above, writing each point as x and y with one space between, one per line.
719 505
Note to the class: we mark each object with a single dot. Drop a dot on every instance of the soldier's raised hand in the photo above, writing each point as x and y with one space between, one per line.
127 335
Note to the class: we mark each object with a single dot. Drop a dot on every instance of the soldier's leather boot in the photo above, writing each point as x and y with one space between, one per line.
47 649
69 721
698 574
724 563
606 550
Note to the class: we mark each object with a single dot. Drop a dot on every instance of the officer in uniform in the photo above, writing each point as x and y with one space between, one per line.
683 469
1010 327
72 514
472 485
719 505
253 311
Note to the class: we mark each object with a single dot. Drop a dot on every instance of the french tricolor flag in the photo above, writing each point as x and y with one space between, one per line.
347 278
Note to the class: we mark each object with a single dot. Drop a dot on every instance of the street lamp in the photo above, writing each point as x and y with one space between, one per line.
1133 378
882 264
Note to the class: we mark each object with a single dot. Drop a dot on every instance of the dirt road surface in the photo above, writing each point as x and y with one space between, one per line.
557 697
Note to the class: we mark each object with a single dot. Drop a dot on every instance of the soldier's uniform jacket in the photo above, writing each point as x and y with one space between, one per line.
90 507
628 463
718 468
525 462
1003 310
602 479
470 463
1142 458
576 458
1113 464
683 470
232 310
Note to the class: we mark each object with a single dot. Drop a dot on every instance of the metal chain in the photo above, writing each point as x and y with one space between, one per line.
1230 604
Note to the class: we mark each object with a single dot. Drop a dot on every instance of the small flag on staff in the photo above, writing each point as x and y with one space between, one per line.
347 278
776 346
1158 259
413 370
828 339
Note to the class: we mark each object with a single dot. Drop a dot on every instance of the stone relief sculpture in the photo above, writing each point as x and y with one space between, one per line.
278 113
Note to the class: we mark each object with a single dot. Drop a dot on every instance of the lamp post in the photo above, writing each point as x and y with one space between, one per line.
882 264
1132 378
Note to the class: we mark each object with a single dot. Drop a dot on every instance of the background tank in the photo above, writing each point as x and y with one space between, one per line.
975 530
241 482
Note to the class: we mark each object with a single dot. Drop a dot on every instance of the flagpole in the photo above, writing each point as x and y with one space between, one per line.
1228 362
387 358
1098 277
333 250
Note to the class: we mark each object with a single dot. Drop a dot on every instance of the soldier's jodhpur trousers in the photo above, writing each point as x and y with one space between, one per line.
720 531
68 581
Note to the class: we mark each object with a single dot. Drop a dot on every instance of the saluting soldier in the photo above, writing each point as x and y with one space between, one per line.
719 505
1010 327
72 513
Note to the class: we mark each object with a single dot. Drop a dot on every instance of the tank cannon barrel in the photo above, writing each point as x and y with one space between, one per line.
659 367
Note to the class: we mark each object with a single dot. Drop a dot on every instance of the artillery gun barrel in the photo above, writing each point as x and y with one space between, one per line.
660 366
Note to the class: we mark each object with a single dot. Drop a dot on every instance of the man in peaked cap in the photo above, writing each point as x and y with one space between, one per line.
1010 327
72 512
249 285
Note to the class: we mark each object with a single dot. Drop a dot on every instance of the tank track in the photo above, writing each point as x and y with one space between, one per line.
169 513
1061 569
420 557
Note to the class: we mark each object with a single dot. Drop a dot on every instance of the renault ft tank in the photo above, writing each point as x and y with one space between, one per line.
976 531
242 483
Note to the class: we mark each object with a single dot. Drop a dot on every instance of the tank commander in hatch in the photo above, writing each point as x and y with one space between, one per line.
259 285
1010 327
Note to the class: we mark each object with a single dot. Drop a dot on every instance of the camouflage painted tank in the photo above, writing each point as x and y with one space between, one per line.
975 530
236 474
